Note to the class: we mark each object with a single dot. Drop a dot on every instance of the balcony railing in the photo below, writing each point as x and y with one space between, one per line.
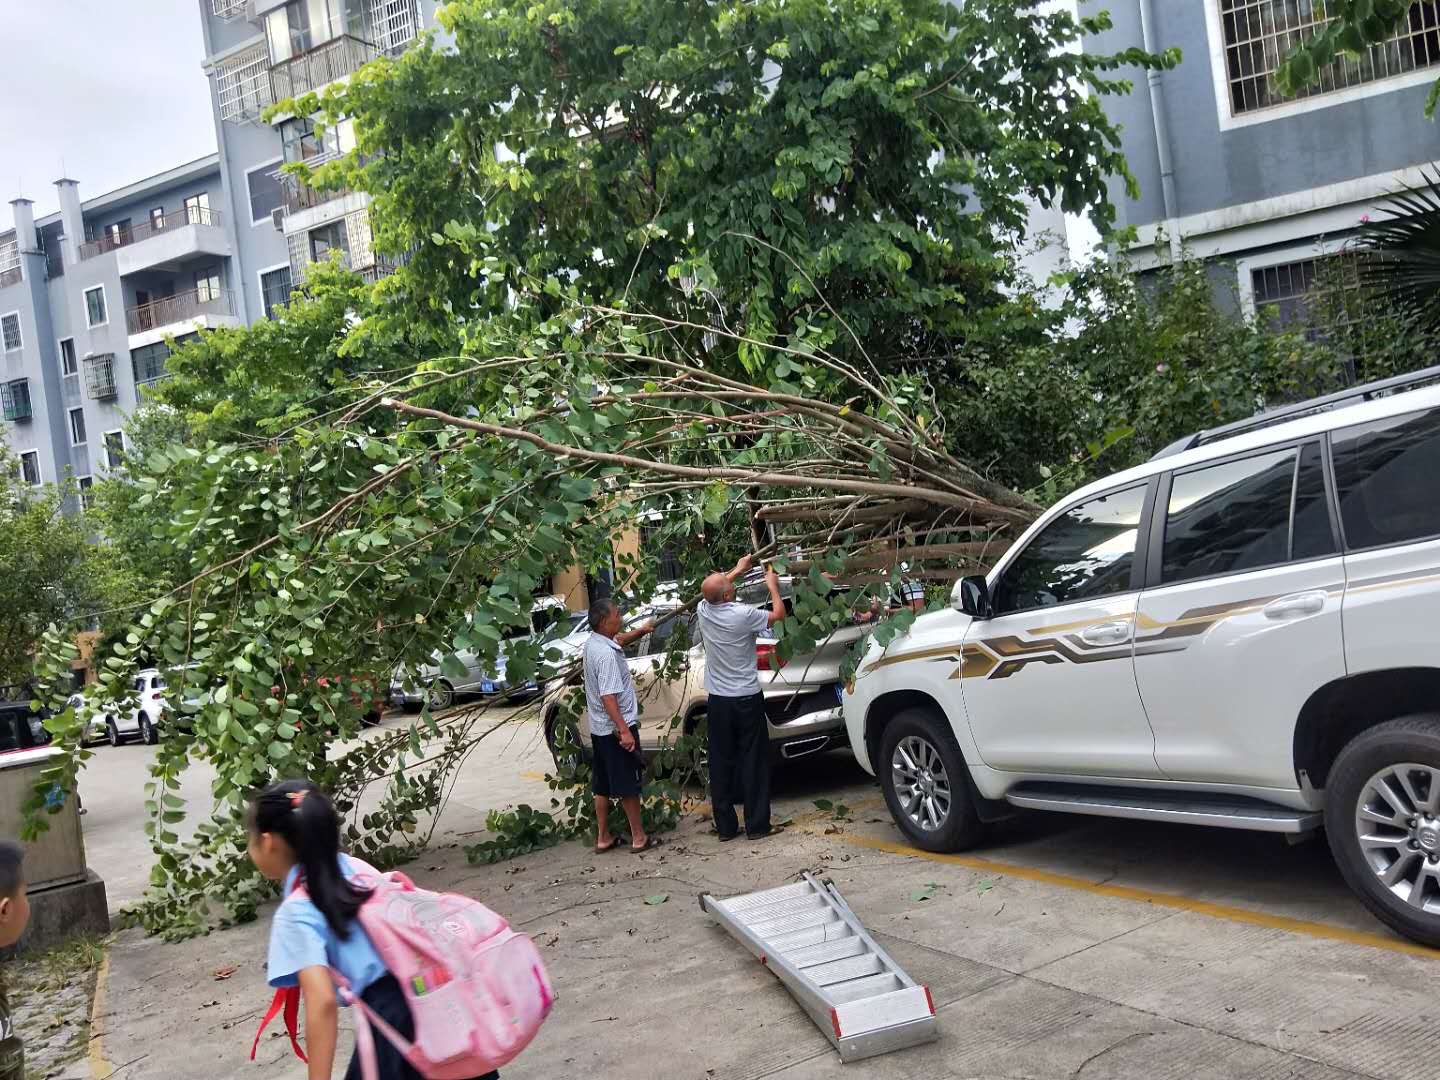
179 308
317 67
229 9
242 85
15 399
100 376
168 221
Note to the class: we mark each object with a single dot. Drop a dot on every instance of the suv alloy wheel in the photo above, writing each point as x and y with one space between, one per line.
112 732
1382 816
926 783
148 734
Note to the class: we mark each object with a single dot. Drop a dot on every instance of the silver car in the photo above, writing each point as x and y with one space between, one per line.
551 624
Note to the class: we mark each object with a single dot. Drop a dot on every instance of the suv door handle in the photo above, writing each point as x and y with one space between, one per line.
1107 633
1290 607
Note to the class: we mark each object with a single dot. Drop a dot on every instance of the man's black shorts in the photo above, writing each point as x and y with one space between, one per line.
615 773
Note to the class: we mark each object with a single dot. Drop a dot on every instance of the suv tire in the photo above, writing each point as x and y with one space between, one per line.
112 732
573 754
148 734
1401 757
926 782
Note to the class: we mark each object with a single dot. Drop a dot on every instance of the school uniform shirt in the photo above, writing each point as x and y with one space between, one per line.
300 938
729 631
606 672
12 1053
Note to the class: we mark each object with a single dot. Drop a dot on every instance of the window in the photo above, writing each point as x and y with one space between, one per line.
1312 533
77 427
275 289
207 284
15 400
10 330
50 237
1086 552
1228 518
301 25
1385 477
118 234
300 142
267 194
115 449
1257 35
30 467
68 364
329 238
149 362
95 313
87 492
197 209
157 218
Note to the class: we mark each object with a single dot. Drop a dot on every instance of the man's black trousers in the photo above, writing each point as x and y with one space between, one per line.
739 763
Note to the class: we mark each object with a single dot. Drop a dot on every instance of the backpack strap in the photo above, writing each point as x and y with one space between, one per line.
364 1038
288 1000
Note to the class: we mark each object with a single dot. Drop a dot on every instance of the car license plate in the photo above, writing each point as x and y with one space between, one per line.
486 686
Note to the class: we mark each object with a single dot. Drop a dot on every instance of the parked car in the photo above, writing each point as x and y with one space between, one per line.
551 624
21 727
802 698
1240 633
97 721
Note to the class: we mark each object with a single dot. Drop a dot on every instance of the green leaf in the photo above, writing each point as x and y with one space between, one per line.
657 899
925 892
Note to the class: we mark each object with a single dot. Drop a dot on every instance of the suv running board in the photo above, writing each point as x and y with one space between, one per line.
1148 804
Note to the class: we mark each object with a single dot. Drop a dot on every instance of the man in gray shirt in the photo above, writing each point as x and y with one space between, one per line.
613 715
739 732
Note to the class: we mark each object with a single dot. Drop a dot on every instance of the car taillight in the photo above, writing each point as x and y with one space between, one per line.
156 696
764 651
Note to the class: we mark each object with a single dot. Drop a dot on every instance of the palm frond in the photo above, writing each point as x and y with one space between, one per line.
1402 250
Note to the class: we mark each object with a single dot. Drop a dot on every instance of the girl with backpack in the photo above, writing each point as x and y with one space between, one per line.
295 839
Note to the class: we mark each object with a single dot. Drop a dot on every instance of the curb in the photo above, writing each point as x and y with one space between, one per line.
100 1068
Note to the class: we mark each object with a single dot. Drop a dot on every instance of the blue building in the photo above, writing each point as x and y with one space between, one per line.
1264 185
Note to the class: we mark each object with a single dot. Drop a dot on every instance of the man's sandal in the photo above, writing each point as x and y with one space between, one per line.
650 842
615 842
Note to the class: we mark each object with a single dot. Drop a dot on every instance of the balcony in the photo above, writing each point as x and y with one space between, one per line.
229 9
173 236
242 85
15 400
320 66
183 313
100 376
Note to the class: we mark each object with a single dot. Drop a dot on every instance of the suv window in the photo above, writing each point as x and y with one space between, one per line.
1087 551
1385 479
1230 517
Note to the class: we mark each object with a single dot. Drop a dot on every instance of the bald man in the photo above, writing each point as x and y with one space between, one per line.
739 732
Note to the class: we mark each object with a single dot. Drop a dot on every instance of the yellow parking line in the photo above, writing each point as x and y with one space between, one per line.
1145 896
99 1067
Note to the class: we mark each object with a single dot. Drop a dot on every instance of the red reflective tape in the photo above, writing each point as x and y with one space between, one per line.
835 1019
929 1000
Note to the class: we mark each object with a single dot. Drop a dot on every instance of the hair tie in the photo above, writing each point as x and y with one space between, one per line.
296 798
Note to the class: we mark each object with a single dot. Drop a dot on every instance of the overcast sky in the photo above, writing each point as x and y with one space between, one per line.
103 91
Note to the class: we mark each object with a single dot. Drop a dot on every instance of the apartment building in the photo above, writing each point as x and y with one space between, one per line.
1264 185
90 295
258 52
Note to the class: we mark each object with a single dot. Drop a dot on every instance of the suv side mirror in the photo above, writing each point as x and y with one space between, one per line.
974 597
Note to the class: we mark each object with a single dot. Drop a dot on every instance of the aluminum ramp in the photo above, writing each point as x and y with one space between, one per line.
808 936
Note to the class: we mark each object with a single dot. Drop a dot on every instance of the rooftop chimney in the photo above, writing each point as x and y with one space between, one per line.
71 220
24 224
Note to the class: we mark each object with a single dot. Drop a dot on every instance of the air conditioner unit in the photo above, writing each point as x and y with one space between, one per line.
277 218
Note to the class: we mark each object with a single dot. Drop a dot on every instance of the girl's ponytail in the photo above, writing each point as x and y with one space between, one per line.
305 817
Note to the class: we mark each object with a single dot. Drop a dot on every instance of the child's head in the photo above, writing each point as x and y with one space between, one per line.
293 823
14 904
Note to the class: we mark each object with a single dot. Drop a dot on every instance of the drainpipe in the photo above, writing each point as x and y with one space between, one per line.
1162 128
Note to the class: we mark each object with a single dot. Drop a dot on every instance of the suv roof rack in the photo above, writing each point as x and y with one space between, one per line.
1338 400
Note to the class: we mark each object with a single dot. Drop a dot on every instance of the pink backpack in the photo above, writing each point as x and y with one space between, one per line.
477 989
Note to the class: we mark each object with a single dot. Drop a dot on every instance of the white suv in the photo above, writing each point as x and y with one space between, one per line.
1243 632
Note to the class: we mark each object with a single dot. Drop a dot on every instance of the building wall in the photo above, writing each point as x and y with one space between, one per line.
1362 131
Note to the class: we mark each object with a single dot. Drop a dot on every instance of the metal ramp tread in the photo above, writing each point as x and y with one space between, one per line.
807 935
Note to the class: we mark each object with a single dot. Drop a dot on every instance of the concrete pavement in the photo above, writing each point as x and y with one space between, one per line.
1067 947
